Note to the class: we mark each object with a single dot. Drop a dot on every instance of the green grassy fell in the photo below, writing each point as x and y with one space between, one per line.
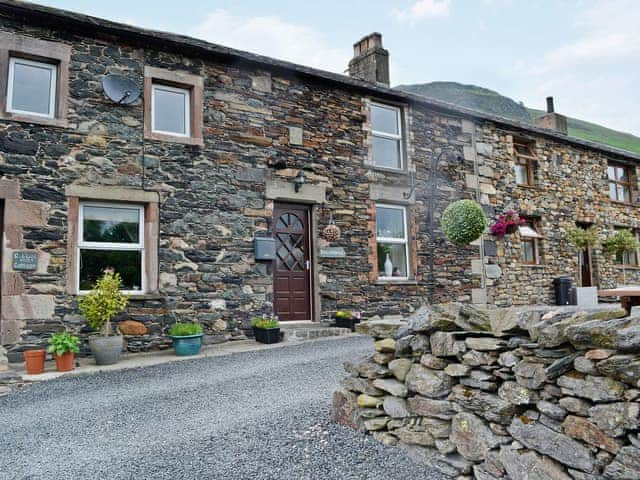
489 101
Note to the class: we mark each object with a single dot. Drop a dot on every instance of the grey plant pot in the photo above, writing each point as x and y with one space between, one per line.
106 350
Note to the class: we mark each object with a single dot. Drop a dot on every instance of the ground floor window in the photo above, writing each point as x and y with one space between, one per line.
392 242
530 240
629 258
111 235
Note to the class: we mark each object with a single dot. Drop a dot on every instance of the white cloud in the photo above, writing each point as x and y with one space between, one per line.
422 10
272 36
593 77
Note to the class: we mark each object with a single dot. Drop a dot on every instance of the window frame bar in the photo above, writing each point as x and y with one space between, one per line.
53 86
140 246
399 137
397 241
187 108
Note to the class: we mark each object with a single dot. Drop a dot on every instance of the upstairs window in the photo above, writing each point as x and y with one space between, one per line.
31 88
171 110
111 236
525 163
530 240
386 129
619 183
392 242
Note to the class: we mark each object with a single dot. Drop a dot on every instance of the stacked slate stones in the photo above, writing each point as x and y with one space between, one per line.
538 393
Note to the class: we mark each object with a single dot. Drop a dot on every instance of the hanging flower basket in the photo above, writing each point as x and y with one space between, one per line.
507 224
331 233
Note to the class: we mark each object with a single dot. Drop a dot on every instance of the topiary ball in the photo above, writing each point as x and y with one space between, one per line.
463 222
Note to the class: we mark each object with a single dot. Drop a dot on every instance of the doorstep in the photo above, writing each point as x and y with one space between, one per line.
86 365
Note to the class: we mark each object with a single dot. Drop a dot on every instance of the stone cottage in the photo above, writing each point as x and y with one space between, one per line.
209 192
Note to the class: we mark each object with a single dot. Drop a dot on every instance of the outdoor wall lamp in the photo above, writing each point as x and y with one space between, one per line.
299 181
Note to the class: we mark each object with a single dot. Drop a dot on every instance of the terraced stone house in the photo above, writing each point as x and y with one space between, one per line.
211 191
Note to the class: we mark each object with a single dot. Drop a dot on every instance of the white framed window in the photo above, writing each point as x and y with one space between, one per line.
31 87
619 182
170 110
386 131
111 235
392 241
530 240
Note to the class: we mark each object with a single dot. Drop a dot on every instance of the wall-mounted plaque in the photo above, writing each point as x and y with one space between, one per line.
25 260
332 252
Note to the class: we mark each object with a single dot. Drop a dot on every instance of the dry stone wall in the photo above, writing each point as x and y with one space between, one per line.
538 393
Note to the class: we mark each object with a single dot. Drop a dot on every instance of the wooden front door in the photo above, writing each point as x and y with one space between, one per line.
585 267
292 265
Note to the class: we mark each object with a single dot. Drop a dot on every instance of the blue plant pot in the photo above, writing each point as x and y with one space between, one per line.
187 345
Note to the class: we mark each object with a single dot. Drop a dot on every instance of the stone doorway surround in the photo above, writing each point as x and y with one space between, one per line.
280 190
17 306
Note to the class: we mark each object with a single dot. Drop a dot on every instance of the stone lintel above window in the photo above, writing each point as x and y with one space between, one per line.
180 80
33 49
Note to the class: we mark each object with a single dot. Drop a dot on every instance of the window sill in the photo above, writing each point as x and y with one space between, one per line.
397 171
527 186
625 204
34 119
197 141
391 281
627 267
146 296
530 265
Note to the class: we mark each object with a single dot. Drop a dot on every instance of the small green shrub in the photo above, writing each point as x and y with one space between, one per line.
184 329
463 222
104 302
265 322
582 238
620 242
63 342
344 315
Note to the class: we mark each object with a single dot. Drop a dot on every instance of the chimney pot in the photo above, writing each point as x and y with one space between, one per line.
550 108
370 60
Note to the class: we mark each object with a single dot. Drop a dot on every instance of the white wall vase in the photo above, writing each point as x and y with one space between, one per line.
388 267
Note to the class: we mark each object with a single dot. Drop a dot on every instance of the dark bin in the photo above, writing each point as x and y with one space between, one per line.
563 287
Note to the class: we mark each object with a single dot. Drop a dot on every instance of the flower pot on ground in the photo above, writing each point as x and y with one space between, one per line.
187 338
347 319
266 329
99 307
64 346
34 361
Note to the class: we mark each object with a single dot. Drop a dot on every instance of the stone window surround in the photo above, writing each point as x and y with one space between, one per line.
179 79
405 131
150 200
12 45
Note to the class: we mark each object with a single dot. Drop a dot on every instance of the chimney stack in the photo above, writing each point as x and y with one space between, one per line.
552 120
370 61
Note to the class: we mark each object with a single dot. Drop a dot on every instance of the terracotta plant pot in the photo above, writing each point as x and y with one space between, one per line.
64 362
34 361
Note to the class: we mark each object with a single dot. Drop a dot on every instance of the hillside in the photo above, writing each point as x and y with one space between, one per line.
492 102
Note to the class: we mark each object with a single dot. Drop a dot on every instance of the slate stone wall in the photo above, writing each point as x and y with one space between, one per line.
538 393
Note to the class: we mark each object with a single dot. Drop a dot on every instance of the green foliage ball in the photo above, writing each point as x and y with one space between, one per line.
463 222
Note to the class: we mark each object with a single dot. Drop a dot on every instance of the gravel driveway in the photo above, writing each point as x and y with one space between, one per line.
259 415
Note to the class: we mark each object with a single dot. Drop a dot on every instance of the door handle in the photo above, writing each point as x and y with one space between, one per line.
308 264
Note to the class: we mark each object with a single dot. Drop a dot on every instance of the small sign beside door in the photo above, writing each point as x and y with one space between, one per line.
25 260
332 252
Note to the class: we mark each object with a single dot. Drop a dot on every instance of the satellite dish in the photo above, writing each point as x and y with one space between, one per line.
120 89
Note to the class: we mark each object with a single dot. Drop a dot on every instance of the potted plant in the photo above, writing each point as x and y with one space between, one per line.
63 345
506 224
463 222
187 338
347 319
99 307
34 361
620 242
266 329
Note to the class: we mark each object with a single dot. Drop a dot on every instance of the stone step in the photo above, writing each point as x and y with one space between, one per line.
293 333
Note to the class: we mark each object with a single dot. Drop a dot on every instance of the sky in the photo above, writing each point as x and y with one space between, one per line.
585 53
